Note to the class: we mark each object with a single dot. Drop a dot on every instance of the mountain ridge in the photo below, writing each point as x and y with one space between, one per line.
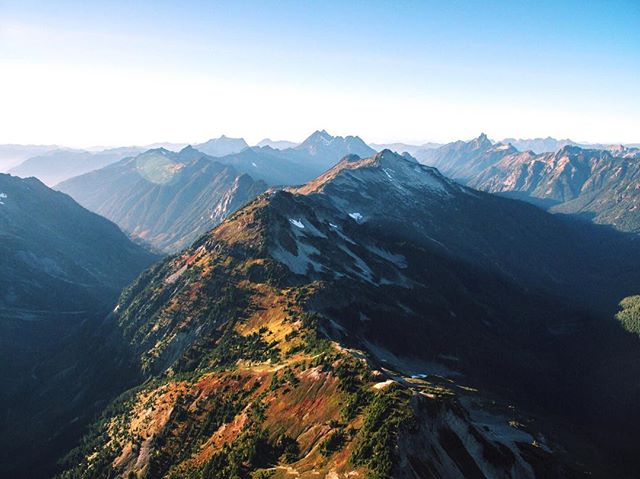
596 184
222 146
318 295
166 199
61 268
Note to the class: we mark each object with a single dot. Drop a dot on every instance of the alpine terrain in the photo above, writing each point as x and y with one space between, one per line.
165 199
55 166
380 321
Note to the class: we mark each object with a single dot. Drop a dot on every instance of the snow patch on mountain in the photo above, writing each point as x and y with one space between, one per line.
301 262
296 223
361 268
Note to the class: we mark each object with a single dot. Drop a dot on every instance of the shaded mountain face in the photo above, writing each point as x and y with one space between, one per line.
163 198
380 321
87 257
61 267
464 159
600 185
222 146
275 167
56 166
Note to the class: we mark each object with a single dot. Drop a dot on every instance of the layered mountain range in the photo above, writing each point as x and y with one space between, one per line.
366 316
600 185
13 155
276 144
299 164
222 146
465 159
169 199
59 165
164 198
52 165
414 150
551 145
380 321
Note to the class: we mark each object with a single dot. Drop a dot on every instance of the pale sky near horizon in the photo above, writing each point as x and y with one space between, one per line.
138 72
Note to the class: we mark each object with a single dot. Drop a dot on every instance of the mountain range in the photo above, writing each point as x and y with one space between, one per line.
168 199
61 268
163 198
276 144
599 185
326 310
55 166
464 159
13 155
539 145
380 321
52 164
551 145
416 151
222 146
297 165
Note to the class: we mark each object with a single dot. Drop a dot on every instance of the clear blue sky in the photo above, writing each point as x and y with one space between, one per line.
124 72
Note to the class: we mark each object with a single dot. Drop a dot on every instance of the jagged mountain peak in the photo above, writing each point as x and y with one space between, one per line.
222 146
322 133
568 150
409 157
187 149
317 136
321 139
482 141
383 171
464 159
160 151
351 158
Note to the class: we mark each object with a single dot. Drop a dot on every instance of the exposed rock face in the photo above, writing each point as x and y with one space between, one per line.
601 185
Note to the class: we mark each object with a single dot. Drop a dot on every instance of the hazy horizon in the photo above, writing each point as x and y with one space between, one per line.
182 144
85 73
